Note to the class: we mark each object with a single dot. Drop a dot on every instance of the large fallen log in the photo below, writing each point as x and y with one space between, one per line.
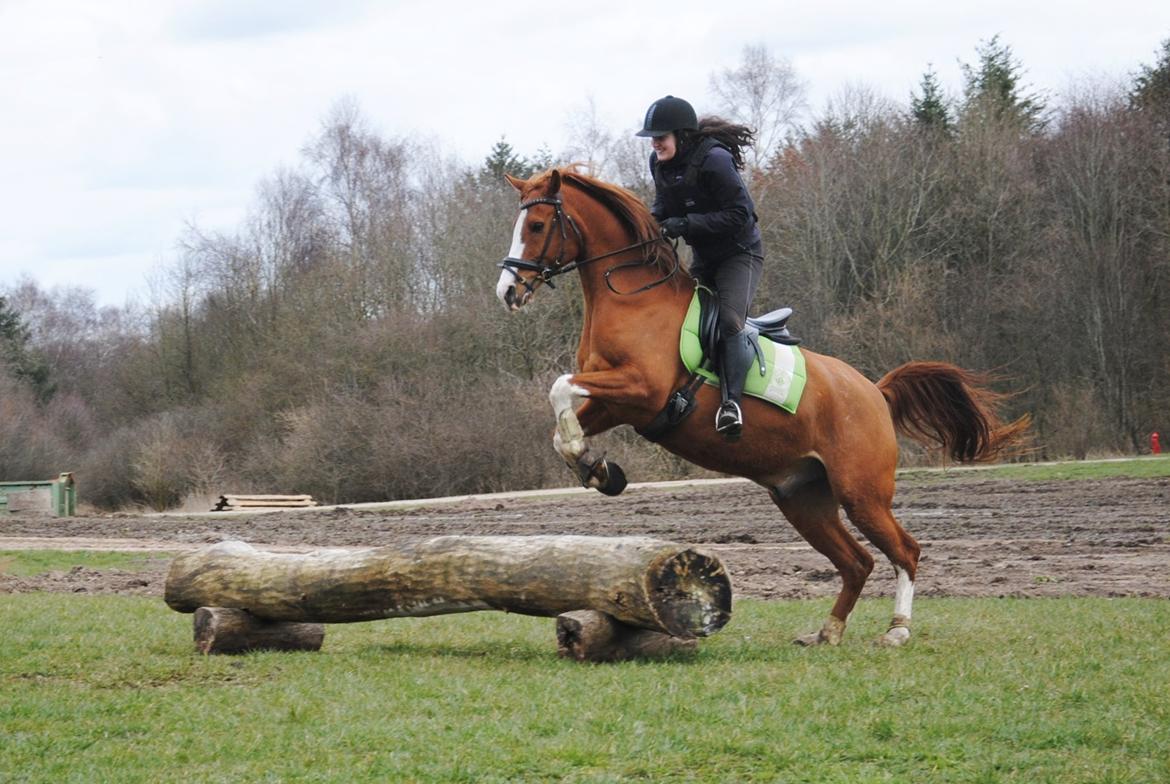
641 582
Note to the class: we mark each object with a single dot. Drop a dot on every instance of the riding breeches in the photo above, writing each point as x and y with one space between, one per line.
734 280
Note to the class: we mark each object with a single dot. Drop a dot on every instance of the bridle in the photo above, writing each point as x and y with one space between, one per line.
545 272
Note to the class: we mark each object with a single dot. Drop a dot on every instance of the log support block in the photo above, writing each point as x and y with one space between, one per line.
226 630
591 636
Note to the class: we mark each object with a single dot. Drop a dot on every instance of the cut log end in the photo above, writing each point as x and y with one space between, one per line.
692 594
591 636
221 630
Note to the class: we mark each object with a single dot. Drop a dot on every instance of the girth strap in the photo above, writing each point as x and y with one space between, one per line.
678 407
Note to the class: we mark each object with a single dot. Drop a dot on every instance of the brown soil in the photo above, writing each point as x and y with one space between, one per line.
979 537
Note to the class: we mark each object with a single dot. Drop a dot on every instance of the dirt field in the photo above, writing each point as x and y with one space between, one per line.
979 537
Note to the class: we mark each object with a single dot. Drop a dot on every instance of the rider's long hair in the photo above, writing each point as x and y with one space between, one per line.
731 135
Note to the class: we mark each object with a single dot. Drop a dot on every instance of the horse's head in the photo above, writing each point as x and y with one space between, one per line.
544 239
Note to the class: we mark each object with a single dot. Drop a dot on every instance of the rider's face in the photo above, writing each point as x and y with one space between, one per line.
664 146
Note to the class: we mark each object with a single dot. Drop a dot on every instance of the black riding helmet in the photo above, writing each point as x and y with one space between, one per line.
668 114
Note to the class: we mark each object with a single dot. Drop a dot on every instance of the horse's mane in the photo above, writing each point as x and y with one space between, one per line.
630 210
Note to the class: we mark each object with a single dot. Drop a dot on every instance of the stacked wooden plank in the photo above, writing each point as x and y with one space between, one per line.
262 503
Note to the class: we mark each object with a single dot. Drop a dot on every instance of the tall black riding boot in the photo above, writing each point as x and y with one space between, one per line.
735 360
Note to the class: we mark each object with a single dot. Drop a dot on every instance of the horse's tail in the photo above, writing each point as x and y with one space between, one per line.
942 403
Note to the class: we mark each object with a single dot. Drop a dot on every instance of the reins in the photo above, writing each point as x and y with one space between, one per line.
546 272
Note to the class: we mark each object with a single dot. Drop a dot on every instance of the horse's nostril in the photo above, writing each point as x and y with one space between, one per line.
510 296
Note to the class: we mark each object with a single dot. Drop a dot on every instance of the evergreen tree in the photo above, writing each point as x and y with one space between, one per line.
993 88
929 109
1151 89
504 160
542 160
16 355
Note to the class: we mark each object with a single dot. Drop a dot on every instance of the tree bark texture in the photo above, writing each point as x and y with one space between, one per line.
591 636
226 630
640 581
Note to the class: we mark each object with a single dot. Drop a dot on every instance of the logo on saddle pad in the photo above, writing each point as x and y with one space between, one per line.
782 382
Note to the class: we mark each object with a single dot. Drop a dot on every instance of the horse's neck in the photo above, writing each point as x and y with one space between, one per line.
619 322
627 277
604 233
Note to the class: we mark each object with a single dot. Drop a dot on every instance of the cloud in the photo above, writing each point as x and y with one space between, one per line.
220 20
124 119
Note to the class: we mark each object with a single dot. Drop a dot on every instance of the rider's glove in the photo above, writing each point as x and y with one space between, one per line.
674 227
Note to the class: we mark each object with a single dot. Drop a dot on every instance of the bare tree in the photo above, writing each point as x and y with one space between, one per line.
590 141
848 205
1107 196
763 92
365 187
631 166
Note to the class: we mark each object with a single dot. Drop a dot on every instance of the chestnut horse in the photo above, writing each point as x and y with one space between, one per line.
837 451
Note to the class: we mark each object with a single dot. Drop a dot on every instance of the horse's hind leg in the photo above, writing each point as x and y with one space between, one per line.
814 512
874 519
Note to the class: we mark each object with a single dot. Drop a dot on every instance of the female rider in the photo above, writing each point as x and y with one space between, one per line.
700 197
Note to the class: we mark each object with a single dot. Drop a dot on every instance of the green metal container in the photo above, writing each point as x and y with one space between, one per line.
56 496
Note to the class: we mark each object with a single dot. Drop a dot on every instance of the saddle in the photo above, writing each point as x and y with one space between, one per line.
772 325
780 384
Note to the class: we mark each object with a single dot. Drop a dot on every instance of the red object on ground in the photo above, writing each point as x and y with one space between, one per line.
1155 444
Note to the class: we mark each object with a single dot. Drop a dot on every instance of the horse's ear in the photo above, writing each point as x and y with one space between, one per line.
516 182
554 183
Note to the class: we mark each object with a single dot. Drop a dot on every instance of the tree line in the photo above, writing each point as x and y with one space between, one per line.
344 339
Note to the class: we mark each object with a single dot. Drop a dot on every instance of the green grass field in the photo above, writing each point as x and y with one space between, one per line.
1151 467
25 563
109 689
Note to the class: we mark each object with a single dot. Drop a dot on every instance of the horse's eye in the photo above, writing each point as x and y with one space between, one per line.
536 226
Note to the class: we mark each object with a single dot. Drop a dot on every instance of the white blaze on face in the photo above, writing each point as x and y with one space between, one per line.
507 278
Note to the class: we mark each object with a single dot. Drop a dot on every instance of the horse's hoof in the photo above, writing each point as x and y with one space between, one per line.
897 634
615 479
894 638
830 634
817 638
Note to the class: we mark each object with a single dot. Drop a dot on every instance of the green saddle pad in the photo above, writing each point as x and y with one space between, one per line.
781 385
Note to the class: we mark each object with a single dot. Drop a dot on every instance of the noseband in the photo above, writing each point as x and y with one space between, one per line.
545 272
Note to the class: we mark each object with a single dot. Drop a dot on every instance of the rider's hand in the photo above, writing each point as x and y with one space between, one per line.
674 227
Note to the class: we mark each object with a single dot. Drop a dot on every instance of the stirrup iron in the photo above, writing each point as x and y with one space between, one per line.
729 420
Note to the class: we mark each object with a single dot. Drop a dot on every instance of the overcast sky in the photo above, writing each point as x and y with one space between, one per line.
125 120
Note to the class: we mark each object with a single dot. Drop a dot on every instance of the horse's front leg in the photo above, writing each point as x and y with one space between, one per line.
575 425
